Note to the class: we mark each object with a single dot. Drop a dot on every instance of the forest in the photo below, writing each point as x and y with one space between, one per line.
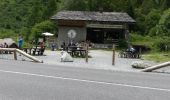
32 17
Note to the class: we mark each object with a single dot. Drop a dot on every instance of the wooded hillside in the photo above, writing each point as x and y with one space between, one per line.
30 17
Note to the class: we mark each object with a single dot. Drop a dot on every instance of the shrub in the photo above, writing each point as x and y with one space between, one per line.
4 33
122 43
152 19
38 29
136 39
162 44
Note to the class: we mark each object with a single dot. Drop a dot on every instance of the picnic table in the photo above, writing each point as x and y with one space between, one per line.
34 50
75 51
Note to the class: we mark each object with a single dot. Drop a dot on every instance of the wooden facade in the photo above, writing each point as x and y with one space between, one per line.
101 28
72 23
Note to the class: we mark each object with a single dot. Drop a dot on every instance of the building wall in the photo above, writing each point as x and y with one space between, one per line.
63 36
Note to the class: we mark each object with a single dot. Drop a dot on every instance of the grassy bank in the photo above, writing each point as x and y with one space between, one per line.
157 56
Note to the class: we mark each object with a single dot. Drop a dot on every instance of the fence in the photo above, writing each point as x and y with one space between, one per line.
11 53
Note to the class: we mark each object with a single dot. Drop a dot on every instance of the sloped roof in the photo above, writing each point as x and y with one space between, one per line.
94 16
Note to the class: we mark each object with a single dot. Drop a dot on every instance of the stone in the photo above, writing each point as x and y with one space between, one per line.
139 65
65 57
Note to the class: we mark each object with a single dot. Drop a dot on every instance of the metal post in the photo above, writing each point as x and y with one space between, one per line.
113 57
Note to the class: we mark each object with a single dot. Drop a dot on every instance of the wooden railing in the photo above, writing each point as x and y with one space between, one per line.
15 51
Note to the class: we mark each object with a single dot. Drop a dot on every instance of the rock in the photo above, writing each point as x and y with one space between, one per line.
139 65
65 57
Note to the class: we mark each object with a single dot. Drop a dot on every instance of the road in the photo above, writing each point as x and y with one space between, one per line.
34 81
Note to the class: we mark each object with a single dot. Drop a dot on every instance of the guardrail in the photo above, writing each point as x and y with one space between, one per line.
15 51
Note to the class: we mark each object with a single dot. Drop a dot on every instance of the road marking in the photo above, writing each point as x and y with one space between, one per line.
87 81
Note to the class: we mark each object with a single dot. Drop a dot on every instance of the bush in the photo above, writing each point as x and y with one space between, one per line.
165 22
152 19
163 27
136 39
158 30
162 44
38 29
6 33
122 44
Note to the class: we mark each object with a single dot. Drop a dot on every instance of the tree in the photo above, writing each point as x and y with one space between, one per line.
165 22
39 28
50 9
147 6
163 27
152 19
76 5
130 8
35 14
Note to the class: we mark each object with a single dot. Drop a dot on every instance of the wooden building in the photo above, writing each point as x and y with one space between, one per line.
97 27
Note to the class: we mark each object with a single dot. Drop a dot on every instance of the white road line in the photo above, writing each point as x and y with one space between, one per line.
87 81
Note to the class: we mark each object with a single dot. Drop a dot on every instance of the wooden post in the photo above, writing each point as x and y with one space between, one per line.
113 57
87 47
15 55
140 50
22 53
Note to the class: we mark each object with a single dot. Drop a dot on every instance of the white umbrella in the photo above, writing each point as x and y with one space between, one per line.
47 34
9 41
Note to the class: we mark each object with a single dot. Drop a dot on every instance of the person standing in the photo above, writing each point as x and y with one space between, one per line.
20 42
42 48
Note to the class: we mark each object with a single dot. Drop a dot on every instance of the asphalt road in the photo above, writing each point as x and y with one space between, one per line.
33 81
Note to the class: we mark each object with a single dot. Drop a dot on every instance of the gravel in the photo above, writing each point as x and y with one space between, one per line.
100 59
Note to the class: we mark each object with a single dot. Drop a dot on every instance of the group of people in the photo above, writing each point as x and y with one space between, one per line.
73 44
20 43
5 45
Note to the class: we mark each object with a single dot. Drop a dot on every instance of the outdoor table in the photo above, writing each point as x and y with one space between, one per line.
74 51
33 50
36 49
77 51
27 50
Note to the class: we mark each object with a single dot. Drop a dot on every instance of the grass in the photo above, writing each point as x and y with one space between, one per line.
157 56
147 41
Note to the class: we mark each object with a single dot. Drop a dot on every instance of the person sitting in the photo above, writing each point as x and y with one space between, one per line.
52 46
131 49
6 46
63 46
1 46
71 44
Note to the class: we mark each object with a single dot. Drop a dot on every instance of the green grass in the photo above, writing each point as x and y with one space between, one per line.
157 56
